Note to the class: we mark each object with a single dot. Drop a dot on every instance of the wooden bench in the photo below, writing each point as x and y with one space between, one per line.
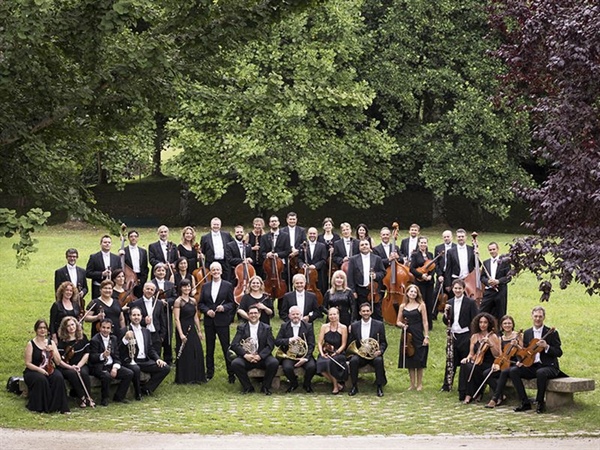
560 390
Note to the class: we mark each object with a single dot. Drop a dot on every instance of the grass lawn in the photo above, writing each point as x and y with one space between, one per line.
218 408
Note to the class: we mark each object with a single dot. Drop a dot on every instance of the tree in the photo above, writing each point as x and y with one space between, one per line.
552 53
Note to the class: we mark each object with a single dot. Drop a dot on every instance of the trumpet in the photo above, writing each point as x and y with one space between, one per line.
368 348
297 350
131 348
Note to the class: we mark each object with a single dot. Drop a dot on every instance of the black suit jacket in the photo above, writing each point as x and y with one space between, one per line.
208 249
377 332
355 270
468 311
299 237
339 250
404 251
156 254
441 262
417 261
318 259
149 349
281 247
170 290
380 251
95 266
502 273
549 358
224 297
453 264
311 306
143 274
159 316
266 342
233 256
305 332
97 348
61 275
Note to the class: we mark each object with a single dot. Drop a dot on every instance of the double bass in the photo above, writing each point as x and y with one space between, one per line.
131 278
312 277
473 286
243 272
275 285
396 279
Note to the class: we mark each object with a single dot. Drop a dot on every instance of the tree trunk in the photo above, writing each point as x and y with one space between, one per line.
159 143
184 204
438 211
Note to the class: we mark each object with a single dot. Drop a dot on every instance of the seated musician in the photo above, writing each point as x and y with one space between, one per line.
364 333
544 365
138 354
331 362
253 344
296 331
307 301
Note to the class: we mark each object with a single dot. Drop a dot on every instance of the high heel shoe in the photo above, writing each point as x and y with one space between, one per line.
491 404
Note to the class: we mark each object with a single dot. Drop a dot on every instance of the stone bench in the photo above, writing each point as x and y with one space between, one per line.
560 390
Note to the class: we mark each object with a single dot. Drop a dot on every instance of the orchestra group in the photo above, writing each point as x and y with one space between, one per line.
141 298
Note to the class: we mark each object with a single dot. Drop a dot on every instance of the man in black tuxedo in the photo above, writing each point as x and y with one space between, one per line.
360 332
105 363
291 332
138 355
154 318
387 251
213 246
296 236
362 269
313 256
460 261
137 258
71 272
237 251
101 264
545 365
495 276
216 303
275 244
409 244
458 315
345 247
253 344
170 294
305 300
440 267
163 250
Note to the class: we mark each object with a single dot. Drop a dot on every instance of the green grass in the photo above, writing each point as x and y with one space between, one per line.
217 407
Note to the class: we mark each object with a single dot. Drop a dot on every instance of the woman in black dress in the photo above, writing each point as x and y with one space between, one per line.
46 385
188 248
74 350
362 232
66 305
190 360
331 362
107 307
182 272
412 317
420 260
340 296
255 296
328 237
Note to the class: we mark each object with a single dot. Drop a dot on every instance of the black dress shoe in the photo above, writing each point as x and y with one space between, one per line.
138 397
379 391
121 400
308 389
292 388
146 392
541 407
231 379
523 407
353 391
266 391
209 376
104 402
249 390
445 389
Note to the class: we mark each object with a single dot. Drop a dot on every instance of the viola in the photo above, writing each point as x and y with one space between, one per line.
99 322
48 361
442 300
373 295
69 353
510 351
481 352
527 355
126 297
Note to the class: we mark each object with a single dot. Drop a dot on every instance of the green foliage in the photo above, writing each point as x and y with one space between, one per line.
24 226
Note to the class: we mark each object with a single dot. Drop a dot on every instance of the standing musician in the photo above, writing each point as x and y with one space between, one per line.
386 250
360 333
154 317
328 237
346 247
216 303
105 307
420 258
71 272
495 276
255 296
213 246
458 315
305 300
545 363
363 269
275 244
362 232
139 355
105 364
313 256
169 294
409 244
100 264
137 258
188 248
296 236
460 261
340 297
253 239
253 344
238 251
163 250
294 331
66 305
440 267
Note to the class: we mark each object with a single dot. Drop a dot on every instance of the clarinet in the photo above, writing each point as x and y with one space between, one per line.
449 352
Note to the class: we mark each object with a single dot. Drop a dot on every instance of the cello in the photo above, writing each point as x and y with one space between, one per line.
131 278
396 279
275 285
312 277
473 286
243 272
201 274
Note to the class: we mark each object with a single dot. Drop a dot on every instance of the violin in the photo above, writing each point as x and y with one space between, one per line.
48 361
312 278
481 352
510 351
527 355
69 353
373 294
126 297
275 285
442 300
429 265
243 272
328 349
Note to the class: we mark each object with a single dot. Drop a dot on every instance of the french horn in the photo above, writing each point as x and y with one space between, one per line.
297 350
368 348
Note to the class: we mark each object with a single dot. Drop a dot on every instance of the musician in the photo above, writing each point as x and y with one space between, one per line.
495 276
238 251
167 291
253 344
138 354
255 296
460 261
137 258
484 346
360 332
363 269
294 330
182 272
341 297
253 239
154 317
163 250
213 246
105 364
105 307
100 264
328 237
71 272
545 365
420 258
386 249
458 315
74 350
216 303
331 362
346 247
66 305
305 300
313 256
46 387
409 244
118 278
296 236
440 267
188 248
412 317
362 232
275 244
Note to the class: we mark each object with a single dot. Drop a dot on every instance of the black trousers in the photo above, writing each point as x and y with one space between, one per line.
540 372
240 368
310 369
357 362
157 374
211 332
123 374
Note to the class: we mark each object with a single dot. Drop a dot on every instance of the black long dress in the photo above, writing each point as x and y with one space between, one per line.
112 312
190 255
190 364
46 393
476 373
58 312
326 365
80 348
344 301
248 300
415 327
